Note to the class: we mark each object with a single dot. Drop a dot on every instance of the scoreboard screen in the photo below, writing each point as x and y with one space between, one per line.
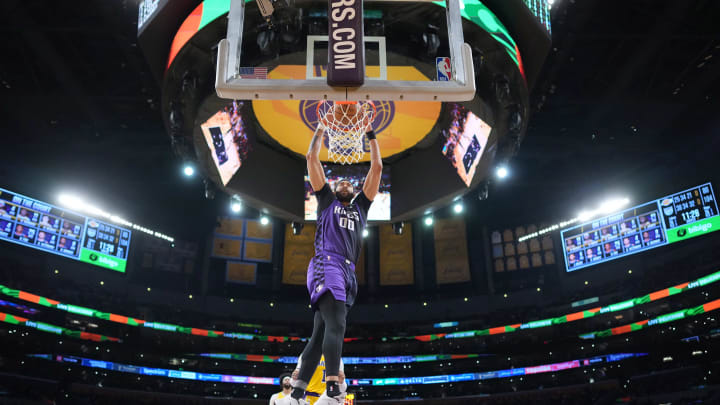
670 219
42 226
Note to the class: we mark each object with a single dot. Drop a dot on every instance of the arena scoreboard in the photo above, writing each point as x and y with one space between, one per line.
42 226
674 218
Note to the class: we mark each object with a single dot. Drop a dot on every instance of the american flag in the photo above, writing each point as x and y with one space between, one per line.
253 72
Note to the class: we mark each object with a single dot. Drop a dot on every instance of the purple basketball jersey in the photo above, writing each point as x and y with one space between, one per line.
340 227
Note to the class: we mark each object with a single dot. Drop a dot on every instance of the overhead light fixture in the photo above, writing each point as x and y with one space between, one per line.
502 172
264 220
76 203
188 170
365 233
209 189
429 220
458 207
607 207
235 204
483 191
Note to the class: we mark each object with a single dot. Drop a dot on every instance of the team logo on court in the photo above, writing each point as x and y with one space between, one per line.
383 118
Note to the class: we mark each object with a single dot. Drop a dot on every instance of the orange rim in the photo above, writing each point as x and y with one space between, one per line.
326 123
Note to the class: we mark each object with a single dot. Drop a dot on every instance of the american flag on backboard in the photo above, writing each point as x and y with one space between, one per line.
253 72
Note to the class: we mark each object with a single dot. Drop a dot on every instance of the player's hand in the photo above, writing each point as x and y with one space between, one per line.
368 124
295 374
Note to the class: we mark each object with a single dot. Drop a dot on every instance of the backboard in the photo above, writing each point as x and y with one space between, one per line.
321 65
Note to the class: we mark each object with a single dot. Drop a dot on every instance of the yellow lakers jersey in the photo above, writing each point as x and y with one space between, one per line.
275 397
316 386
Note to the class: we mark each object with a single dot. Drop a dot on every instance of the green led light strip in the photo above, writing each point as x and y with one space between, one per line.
58 330
654 296
671 317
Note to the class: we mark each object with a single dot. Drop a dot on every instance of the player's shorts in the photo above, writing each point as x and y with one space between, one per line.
334 273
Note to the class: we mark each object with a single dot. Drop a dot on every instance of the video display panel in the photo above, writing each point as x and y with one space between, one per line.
42 226
465 143
670 219
226 136
380 208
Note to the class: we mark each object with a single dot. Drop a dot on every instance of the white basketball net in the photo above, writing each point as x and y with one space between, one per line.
345 129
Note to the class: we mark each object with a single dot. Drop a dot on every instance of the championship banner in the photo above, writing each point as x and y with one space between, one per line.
299 249
240 273
227 248
230 226
256 230
396 256
257 251
451 254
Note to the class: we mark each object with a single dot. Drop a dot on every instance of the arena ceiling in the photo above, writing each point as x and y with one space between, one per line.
628 99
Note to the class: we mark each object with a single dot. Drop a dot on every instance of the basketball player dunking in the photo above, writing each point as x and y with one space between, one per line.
331 281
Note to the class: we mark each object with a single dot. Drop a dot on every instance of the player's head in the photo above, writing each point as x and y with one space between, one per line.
41 235
344 190
285 381
19 229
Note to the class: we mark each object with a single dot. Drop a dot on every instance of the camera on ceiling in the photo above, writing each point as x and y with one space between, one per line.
268 7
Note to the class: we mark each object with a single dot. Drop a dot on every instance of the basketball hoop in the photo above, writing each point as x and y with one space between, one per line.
345 123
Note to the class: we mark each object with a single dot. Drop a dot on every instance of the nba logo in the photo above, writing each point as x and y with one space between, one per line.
444 73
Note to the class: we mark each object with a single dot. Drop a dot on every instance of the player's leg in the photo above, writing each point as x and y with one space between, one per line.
310 357
334 313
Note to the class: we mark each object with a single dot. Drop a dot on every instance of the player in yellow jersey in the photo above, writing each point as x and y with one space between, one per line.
315 392
286 389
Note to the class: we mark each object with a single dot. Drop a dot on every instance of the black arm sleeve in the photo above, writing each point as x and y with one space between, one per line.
363 204
325 197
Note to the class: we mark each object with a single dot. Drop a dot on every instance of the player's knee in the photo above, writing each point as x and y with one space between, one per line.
337 325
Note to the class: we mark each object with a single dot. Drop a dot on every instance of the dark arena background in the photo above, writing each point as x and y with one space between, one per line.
551 241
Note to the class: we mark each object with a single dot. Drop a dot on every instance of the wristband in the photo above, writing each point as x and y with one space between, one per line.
370 135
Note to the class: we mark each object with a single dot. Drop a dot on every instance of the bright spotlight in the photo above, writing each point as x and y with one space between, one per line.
71 201
585 215
264 220
502 172
188 170
458 207
235 204
428 221
610 206
366 233
606 207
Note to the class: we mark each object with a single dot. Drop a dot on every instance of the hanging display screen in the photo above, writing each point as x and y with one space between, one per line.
42 226
670 219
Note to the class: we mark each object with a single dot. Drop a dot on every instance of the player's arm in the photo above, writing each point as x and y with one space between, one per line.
314 167
372 181
272 399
